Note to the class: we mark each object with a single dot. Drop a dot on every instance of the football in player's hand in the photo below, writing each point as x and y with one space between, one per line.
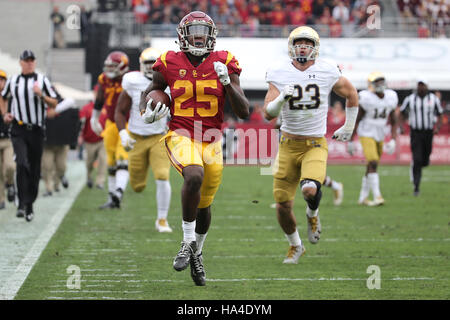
158 96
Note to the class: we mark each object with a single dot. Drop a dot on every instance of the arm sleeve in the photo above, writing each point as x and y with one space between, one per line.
438 107
6 89
48 88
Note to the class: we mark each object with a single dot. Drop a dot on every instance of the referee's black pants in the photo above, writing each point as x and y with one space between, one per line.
28 143
421 147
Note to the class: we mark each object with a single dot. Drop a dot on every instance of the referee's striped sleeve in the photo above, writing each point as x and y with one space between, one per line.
405 105
437 106
48 88
6 89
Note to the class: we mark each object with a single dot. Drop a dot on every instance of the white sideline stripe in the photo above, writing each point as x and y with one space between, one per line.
322 240
93 291
13 284
90 298
300 279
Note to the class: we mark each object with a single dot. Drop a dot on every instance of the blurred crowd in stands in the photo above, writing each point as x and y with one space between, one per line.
433 15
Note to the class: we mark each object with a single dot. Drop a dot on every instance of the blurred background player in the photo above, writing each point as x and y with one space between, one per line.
421 109
377 109
299 89
56 145
95 150
143 141
110 86
7 164
199 79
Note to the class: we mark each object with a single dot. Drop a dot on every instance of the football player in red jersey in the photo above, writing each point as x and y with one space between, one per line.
110 87
199 79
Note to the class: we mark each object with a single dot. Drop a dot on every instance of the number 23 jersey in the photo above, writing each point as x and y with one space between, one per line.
197 94
306 112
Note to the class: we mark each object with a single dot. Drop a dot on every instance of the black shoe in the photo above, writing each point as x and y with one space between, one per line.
47 194
2 205
416 191
110 204
11 192
90 184
64 182
20 212
116 197
56 189
183 257
29 216
197 270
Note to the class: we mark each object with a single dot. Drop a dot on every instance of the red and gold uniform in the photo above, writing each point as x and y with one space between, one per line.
197 105
114 149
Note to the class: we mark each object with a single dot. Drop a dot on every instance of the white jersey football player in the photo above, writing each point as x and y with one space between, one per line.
377 109
299 89
141 140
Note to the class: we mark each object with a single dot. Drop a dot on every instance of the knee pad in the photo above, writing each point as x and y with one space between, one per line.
122 165
112 171
307 183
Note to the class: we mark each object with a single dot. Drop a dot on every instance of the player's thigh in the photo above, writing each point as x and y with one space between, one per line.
159 161
211 181
370 149
286 171
314 162
138 165
110 141
182 152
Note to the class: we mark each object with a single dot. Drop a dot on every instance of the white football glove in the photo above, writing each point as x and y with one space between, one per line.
95 123
222 72
345 132
390 146
127 141
350 148
150 116
288 91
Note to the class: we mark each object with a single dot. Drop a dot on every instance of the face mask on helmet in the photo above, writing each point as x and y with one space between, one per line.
111 70
379 86
146 68
303 50
197 37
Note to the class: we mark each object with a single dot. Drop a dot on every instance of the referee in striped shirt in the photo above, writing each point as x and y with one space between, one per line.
30 93
421 108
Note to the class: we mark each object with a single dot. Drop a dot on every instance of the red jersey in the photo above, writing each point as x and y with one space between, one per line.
111 88
88 135
197 94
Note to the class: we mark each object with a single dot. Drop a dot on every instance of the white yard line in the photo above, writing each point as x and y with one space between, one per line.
49 212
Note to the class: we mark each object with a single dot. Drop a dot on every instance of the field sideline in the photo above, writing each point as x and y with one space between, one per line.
121 256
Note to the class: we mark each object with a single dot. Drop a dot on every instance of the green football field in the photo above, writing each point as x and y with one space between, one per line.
121 256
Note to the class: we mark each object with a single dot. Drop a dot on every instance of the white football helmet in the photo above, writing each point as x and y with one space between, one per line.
294 51
146 61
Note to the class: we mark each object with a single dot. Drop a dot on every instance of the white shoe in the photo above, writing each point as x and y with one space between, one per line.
294 253
314 227
365 202
377 202
338 194
162 225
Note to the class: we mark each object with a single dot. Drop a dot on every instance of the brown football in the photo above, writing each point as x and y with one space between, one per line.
157 96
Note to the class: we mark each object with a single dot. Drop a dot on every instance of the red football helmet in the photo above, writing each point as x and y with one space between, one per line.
116 64
197 33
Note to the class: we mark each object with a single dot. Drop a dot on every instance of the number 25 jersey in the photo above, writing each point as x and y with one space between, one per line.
305 113
197 94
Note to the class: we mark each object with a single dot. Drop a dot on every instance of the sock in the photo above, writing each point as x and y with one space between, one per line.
163 193
112 184
364 193
374 183
200 239
122 176
335 185
188 231
294 238
311 213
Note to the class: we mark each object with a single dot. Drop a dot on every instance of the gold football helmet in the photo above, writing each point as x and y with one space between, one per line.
3 74
147 59
376 82
308 33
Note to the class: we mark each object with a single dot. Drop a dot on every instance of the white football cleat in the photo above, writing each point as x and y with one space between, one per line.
162 225
377 202
365 202
338 194
294 253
